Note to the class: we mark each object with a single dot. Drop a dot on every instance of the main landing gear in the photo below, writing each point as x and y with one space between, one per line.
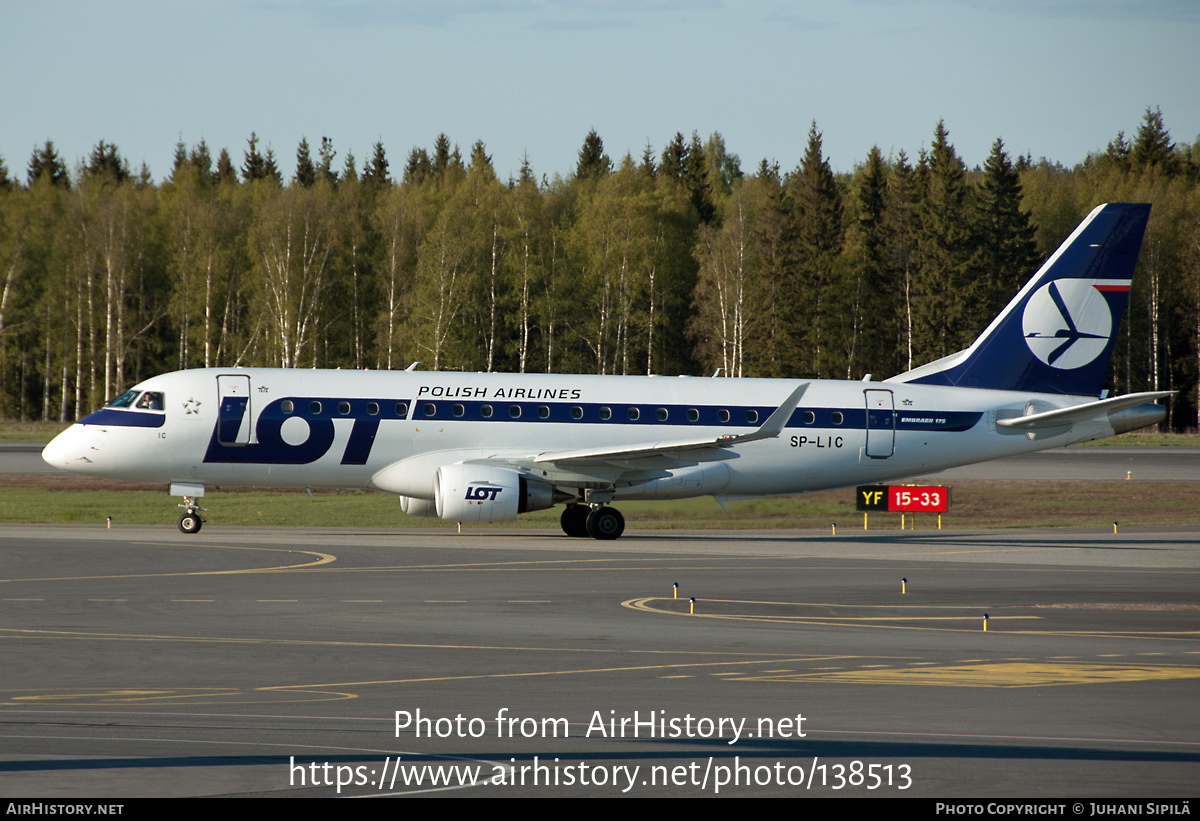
191 520
600 522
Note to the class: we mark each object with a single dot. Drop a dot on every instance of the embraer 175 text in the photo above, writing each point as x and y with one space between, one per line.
483 447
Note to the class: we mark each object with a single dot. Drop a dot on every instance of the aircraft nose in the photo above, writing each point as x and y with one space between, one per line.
60 450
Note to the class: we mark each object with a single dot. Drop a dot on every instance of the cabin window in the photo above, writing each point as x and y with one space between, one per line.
343 408
722 415
751 417
837 418
576 412
633 414
514 411
543 412
485 411
402 409
459 410
429 409
373 408
693 415
605 414
314 408
808 417
286 406
661 414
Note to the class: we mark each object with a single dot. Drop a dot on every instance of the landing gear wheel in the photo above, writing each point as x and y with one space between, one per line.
190 522
605 523
574 521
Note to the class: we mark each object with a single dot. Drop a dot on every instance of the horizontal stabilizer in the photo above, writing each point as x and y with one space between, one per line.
1081 413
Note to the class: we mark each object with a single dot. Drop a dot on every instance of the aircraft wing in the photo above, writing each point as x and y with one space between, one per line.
681 451
1081 413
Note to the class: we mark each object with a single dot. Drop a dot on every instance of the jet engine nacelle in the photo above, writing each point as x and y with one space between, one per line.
418 507
482 494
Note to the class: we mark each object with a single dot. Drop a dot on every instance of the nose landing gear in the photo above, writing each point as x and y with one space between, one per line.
191 520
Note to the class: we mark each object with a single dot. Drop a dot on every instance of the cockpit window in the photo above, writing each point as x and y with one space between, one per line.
124 400
151 400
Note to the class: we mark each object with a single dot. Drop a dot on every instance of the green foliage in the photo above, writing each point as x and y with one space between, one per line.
593 162
1008 255
949 287
45 163
375 172
675 263
306 171
106 162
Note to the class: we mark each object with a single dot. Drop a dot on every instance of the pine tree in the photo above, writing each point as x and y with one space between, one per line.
325 168
180 157
950 293
271 168
1007 248
1152 145
876 320
696 180
255 165
816 206
674 158
526 175
46 163
418 168
481 163
593 162
648 166
375 172
441 155
105 161
226 173
201 160
306 172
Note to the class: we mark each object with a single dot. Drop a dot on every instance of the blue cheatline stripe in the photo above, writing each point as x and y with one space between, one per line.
598 413
124 419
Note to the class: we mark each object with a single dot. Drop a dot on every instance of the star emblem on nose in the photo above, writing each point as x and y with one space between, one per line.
191 406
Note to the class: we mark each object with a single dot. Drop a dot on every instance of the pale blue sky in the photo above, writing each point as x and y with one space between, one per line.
1057 79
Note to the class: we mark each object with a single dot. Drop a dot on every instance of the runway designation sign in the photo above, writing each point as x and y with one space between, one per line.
903 498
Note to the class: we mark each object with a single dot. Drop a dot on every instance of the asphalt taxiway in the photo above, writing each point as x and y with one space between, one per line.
251 661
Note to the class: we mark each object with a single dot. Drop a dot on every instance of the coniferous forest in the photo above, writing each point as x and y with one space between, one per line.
681 261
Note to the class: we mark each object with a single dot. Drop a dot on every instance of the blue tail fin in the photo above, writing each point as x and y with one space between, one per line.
1057 334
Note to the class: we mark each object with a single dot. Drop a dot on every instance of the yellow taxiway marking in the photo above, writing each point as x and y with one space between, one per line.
22 599
995 675
81 635
538 673
322 558
167 695
663 606
325 691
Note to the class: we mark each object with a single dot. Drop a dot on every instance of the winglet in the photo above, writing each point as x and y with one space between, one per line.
774 424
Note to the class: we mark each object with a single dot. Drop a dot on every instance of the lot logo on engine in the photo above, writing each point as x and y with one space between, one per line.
483 494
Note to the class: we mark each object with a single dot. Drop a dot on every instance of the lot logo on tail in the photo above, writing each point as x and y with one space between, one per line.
1067 322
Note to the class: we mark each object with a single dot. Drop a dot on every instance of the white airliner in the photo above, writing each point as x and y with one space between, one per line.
482 447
